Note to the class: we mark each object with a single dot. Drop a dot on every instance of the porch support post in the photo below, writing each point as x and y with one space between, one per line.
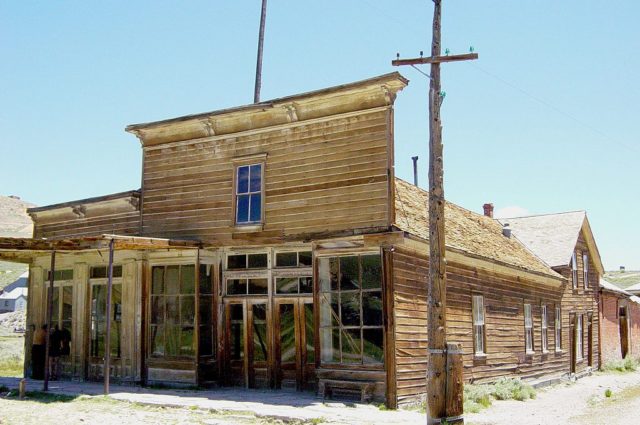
107 343
52 271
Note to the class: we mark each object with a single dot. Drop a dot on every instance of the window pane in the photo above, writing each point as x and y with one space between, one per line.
56 306
306 285
329 309
157 286
66 274
350 309
236 286
330 345
287 285
259 332
372 345
257 261
236 339
243 179
287 334
98 272
255 213
351 351
117 271
157 340
67 301
188 279
242 209
309 333
286 259
187 341
172 310
304 258
256 178
258 286
171 280
349 274
372 308
187 310
371 271
157 310
172 341
235 262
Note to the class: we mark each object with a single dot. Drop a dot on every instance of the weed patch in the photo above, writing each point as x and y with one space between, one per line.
478 397
629 364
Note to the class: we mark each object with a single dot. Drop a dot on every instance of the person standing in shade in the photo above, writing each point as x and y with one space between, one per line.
38 352
65 345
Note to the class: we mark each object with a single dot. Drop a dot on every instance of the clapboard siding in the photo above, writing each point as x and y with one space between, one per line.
504 299
320 177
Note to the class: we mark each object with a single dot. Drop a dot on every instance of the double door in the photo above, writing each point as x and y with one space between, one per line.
269 344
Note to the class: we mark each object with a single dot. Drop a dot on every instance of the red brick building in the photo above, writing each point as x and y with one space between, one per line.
619 323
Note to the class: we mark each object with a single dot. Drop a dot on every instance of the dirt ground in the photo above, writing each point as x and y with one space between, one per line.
582 402
100 410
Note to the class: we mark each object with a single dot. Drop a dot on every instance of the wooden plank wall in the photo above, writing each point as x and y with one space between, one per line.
324 176
581 301
67 224
504 318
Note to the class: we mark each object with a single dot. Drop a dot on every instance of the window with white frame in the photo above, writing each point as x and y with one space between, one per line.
478 324
579 336
543 326
574 270
558 326
248 194
585 270
528 328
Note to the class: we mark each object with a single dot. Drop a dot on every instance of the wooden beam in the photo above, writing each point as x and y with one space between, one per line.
435 59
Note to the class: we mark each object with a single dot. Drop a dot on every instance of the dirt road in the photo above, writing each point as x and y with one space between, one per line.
582 402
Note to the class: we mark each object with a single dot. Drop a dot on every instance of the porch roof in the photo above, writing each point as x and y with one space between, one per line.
22 250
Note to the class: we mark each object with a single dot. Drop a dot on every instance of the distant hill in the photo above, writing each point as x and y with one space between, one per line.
14 222
623 279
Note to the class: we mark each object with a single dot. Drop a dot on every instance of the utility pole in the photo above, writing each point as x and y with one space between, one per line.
444 378
258 86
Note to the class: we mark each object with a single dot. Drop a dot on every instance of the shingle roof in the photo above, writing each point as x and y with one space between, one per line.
635 287
465 230
552 237
613 288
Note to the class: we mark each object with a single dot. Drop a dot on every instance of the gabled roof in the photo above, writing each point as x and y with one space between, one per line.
465 231
14 294
553 237
613 288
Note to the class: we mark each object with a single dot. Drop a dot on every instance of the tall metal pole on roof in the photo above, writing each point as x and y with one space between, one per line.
444 377
107 338
258 86
47 341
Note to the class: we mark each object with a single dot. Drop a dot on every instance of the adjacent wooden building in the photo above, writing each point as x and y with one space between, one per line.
272 246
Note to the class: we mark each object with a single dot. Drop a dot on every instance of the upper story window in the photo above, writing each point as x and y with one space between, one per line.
528 328
574 270
478 324
585 269
249 188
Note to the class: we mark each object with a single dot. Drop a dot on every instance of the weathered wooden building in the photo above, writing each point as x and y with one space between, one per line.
565 242
271 245
619 323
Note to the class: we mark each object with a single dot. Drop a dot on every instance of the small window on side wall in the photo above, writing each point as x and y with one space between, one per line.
478 324
574 271
585 269
248 194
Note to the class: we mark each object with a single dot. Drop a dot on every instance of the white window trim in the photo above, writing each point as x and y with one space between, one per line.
558 329
585 270
574 271
251 225
528 329
579 338
478 319
544 334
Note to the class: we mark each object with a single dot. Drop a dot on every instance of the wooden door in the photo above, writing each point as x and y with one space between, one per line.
235 370
294 341
572 342
258 348
624 331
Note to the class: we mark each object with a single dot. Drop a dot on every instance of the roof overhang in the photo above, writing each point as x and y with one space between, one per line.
591 245
22 250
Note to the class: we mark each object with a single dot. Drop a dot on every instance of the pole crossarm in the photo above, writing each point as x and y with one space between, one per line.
435 59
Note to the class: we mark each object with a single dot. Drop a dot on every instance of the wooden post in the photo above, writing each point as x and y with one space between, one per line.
444 377
52 271
107 338
258 86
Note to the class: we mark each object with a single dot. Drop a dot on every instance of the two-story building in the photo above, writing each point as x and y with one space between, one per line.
271 245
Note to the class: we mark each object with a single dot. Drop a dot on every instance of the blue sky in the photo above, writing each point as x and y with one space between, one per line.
543 122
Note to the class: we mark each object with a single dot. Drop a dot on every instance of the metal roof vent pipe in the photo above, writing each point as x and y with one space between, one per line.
488 210
506 230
